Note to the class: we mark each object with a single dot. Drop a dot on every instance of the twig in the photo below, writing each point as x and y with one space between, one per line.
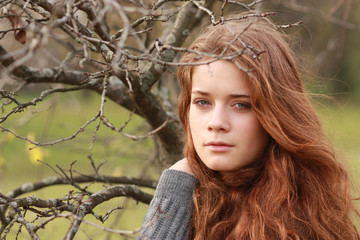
116 231
21 106
133 137
38 144
101 111
29 227
290 25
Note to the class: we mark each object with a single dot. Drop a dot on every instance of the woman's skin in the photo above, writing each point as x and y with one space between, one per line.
225 130
182 165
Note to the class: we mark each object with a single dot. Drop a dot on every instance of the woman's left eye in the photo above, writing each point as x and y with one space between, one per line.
242 105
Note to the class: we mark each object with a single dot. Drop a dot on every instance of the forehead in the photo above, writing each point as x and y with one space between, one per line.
220 75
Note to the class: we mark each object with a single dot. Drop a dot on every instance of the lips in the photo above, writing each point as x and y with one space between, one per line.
218 146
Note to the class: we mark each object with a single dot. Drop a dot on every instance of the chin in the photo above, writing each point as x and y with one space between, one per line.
219 168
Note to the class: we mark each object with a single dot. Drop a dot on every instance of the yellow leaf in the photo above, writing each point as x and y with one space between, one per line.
36 154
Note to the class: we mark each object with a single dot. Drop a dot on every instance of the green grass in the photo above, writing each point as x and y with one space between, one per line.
59 117
341 124
62 115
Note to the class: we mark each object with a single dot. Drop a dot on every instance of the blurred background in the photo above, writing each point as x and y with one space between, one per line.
327 46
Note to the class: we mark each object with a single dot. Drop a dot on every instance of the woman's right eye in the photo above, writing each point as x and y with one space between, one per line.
201 102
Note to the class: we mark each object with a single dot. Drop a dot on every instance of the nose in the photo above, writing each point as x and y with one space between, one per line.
219 120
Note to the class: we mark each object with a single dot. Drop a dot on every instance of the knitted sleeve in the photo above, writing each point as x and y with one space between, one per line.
170 211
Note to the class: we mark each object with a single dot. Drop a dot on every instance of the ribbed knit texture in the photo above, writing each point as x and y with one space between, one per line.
170 211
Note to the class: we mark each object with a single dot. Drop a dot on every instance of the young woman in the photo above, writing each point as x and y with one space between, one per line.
257 162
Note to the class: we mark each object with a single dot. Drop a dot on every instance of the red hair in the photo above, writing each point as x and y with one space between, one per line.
297 189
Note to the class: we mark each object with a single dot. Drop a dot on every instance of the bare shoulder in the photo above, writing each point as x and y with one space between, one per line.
182 165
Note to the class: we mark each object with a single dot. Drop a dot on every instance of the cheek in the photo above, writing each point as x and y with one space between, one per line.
257 137
195 126
193 120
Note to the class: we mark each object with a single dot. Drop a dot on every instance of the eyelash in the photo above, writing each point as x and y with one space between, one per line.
244 105
199 101
204 103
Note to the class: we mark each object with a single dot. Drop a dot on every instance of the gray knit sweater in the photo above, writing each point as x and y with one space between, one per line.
170 211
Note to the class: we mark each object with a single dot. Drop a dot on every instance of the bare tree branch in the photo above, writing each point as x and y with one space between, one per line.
127 51
95 199
52 181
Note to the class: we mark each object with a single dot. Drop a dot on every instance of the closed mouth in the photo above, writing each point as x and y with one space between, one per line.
219 147
218 144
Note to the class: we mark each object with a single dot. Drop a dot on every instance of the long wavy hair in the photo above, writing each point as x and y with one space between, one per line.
297 189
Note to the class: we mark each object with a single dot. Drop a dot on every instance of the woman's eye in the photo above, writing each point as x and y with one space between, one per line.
202 102
242 105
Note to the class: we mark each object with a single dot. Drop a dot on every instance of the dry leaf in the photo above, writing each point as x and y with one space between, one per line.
16 22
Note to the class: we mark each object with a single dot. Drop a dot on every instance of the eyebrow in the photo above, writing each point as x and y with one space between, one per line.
231 95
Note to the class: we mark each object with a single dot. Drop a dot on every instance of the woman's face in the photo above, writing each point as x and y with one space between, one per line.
225 130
